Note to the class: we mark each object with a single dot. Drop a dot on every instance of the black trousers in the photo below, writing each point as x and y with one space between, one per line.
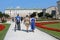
18 26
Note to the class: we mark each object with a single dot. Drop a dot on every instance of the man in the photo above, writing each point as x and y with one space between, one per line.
17 20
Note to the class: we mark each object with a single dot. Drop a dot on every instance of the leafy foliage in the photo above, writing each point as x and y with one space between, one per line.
3 14
33 14
6 15
48 15
40 14
3 17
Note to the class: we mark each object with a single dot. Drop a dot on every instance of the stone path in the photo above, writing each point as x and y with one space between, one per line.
23 35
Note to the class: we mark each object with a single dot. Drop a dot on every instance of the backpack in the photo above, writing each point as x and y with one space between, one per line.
17 19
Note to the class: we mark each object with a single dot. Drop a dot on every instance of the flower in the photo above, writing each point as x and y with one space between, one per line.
2 27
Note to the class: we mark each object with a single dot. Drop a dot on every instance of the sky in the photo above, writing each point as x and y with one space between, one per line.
26 4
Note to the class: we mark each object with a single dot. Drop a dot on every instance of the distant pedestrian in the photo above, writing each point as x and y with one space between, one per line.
21 18
13 19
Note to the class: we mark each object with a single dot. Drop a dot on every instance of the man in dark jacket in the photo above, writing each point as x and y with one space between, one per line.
17 20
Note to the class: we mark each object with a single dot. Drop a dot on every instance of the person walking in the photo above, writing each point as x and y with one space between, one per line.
27 22
13 19
17 20
21 18
32 23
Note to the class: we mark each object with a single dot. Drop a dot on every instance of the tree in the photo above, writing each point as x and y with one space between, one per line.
0 12
33 14
1 15
6 15
48 15
40 14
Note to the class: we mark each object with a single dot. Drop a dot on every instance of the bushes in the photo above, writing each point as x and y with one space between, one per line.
3 21
33 14
3 17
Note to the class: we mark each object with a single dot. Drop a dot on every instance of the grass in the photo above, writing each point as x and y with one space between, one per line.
57 25
3 32
53 33
44 19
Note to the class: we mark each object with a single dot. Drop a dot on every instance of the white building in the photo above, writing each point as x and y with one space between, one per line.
21 11
58 5
24 11
51 9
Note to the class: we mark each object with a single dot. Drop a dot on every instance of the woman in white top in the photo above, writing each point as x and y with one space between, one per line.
27 22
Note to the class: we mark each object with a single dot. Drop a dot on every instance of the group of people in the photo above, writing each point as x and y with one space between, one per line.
27 21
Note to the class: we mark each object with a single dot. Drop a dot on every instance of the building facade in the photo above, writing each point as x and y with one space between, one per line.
21 12
53 10
58 6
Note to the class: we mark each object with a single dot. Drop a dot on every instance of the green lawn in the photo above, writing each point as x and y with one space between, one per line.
3 33
57 25
53 33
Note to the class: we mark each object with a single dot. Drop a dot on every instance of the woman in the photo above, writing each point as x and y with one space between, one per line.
26 21
32 23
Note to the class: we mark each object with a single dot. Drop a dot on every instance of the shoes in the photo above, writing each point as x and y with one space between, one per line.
19 29
27 31
32 30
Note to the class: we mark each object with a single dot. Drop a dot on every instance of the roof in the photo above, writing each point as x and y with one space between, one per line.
23 9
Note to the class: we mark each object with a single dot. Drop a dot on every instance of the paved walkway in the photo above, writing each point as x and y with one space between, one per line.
23 35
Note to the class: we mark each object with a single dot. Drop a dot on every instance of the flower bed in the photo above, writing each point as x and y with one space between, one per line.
41 25
2 27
